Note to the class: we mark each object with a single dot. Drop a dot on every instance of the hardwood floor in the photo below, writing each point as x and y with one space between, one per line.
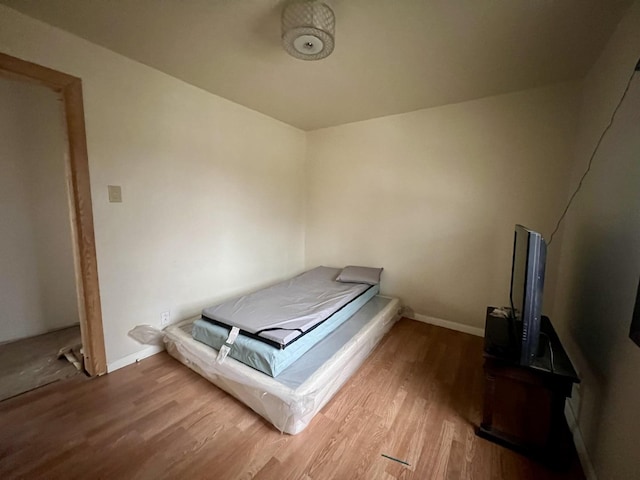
417 399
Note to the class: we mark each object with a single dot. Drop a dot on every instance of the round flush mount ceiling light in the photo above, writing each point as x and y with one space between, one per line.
308 29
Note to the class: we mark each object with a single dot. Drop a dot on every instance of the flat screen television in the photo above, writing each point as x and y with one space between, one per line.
527 284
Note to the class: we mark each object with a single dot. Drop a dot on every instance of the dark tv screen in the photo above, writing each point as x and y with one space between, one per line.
634 333
527 283
519 272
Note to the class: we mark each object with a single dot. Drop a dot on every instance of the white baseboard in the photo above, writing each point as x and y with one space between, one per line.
438 322
578 441
134 357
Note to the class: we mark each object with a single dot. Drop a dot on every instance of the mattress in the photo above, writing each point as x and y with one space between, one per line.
282 313
266 358
291 400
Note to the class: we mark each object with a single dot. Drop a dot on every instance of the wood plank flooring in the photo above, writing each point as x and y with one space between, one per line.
417 398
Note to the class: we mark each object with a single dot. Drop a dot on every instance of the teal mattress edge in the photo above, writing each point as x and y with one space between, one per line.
266 358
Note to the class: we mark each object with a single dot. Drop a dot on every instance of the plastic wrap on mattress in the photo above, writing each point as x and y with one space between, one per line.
289 409
271 360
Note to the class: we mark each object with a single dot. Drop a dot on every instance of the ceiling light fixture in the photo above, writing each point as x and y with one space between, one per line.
308 29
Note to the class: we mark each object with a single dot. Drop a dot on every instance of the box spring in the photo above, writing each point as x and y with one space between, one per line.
291 400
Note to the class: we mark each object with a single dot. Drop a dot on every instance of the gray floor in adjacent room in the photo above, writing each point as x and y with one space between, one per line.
33 362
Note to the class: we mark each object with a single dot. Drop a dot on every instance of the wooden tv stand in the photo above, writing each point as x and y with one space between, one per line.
524 405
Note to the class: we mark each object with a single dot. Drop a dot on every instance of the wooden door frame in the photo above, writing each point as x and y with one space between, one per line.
79 188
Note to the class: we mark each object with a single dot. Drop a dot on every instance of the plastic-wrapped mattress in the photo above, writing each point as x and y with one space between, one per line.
284 312
271 360
292 399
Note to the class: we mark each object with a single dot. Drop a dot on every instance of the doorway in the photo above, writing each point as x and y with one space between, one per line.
69 91
39 314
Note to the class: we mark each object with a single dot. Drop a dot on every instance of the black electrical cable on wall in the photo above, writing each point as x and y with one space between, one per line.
595 150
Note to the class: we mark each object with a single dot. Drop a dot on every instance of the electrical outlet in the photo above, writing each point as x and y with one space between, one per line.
164 318
575 402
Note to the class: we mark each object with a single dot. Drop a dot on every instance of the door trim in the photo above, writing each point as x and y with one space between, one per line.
84 249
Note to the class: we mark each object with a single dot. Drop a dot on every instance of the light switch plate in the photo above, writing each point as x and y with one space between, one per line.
115 193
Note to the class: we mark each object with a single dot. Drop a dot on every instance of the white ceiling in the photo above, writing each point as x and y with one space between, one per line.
391 56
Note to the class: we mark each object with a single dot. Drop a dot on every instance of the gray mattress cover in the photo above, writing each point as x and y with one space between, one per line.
297 373
284 311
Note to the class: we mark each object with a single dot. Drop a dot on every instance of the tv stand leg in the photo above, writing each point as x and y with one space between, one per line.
489 395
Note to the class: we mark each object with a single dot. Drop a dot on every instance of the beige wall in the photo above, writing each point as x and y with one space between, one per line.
37 282
214 199
432 196
600 261
212 191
